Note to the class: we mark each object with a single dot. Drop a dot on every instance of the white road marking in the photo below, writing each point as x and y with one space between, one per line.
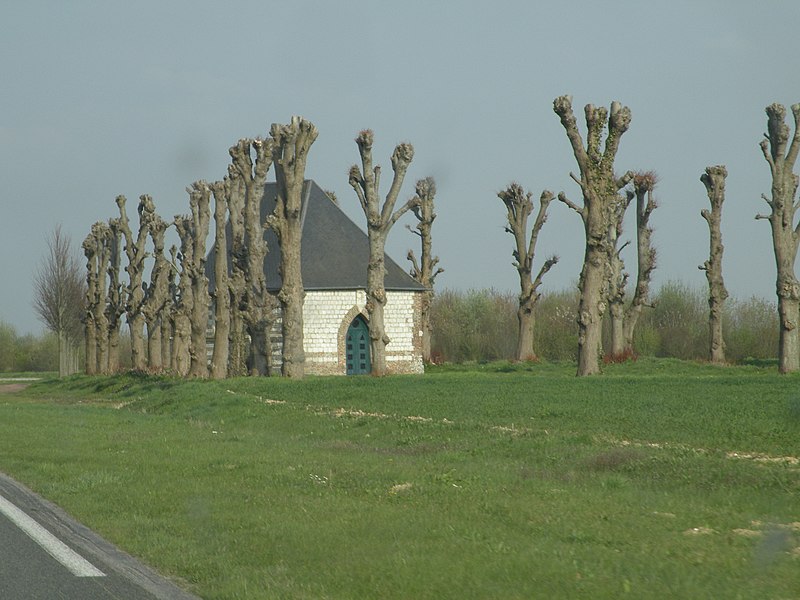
76 564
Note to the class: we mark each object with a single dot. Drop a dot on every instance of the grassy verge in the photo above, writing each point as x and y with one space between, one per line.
28 375
660 479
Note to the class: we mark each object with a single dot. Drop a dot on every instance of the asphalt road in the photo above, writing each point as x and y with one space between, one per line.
69 561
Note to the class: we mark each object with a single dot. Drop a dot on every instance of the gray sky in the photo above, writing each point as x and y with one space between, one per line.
114 97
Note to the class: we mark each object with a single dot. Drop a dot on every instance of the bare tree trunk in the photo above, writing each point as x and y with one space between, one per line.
181 347
154 351
91 346
256 303
714 180
116 296
136 252
593 285
600 189
291 144
519 207
101 319
181 315
90 248
199 197
643 184
167 333
617 314
113 349
618 278
156 295
222 297
181 358
63 354
237 283
426 271
785 234
380 220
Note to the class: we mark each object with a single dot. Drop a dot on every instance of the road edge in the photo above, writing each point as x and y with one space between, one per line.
78 536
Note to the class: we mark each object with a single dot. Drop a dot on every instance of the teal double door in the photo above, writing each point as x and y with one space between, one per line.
357 347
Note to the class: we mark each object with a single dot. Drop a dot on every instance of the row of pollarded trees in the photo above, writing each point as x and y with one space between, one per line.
780 149
606 198
168 314
603 279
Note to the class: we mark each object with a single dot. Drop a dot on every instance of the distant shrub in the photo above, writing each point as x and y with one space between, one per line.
679 320
556 334
481 325
27 352
474 325
751 329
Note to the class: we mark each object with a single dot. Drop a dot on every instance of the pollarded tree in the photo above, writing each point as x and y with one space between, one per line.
116 296
136 252
169 311
426 271
290 152
253 300
101 234
221 295
785 233
58 298
380 219
643 186
183 301
714 180
92 305
618 277
156 296
600 188
199 201
239 347
519 206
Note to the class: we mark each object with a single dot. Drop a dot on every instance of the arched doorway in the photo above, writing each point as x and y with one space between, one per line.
357 347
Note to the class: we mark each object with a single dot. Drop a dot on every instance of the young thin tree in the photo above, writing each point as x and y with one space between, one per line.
600 188
290 147
714 180
380 219
426 271
519 206
643 185
58 298
785 233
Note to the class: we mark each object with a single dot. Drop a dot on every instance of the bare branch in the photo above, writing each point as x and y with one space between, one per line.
562 106
562 197
624 180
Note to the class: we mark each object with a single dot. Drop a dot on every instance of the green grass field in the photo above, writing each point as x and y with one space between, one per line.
658 479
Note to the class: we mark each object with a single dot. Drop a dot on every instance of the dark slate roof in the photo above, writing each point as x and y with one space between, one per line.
335 250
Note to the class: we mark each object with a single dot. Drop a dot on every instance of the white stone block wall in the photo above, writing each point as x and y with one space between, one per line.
328 314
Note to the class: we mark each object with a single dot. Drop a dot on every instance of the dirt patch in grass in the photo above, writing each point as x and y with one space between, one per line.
613 459
12 388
